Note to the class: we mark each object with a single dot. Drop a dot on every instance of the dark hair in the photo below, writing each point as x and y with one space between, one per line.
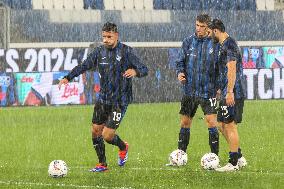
203 18
110 27
217 24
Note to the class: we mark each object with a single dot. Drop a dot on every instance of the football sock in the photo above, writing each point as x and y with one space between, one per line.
99 146
240 153
184 137
214 140
117 142
233 158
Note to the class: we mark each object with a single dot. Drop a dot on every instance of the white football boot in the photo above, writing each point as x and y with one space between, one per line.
242 162
228 168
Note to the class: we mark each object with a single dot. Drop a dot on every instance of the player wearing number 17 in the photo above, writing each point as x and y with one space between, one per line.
196 69
117 65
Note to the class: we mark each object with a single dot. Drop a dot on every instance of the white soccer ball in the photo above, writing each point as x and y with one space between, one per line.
57 169
178 158
210 161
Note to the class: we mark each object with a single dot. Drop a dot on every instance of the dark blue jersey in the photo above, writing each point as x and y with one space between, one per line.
198 61
111 65
230 51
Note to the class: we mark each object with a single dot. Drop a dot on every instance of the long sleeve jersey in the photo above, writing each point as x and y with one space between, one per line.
111 65
198 60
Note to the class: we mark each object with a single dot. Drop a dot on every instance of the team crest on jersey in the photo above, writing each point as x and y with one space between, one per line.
118 58
211 51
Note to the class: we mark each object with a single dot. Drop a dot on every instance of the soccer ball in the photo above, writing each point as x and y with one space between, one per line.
178 158
57 169
210 161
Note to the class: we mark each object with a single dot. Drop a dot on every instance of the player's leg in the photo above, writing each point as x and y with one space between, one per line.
209 108
213 134
221 128
99 119
109 133
230 116
187 112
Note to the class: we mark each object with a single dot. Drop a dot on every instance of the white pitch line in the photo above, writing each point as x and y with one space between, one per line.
168 168
23 183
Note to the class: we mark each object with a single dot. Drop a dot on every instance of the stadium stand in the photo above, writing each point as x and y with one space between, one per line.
205 4
154 20
279 4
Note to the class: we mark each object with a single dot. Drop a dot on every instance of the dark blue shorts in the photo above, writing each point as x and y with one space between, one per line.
110 115
189 105
227 114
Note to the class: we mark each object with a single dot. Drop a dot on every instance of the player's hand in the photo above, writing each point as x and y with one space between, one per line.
181 78
129 73
61 82
230 99
218 94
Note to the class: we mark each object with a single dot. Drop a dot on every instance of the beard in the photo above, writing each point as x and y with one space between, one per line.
215 39
108 46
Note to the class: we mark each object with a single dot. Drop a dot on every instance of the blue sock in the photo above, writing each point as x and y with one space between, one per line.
214 140
117 142
99 146
240 153
184 137
233 158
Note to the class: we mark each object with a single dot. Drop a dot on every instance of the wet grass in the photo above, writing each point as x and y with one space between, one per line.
31 137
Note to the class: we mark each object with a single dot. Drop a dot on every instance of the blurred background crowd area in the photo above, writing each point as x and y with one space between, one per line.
153 20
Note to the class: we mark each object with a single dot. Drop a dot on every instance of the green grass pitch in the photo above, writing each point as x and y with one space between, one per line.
31 137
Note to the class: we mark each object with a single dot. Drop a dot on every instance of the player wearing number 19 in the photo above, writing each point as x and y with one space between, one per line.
117 65
197 70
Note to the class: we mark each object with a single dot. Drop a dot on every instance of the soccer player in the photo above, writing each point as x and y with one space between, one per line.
197 71
232 93
117 65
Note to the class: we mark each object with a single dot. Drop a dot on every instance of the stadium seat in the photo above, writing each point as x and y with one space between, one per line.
269 4
158 4
78 4
138 4
148 4
37 4
59 4
109 4
69 4
193 5
178 5
129 4
167 4
7 2
88 4
15 4
118 4
260 4
98 4
47 4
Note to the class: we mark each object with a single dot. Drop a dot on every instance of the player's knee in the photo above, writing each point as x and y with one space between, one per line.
107 135
211 120
185 122
97 130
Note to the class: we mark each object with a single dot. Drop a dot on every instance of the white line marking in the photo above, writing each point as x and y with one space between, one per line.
175 168
23 183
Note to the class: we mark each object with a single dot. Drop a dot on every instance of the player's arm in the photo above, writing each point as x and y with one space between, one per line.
88 64
231 75
139 69
181 61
